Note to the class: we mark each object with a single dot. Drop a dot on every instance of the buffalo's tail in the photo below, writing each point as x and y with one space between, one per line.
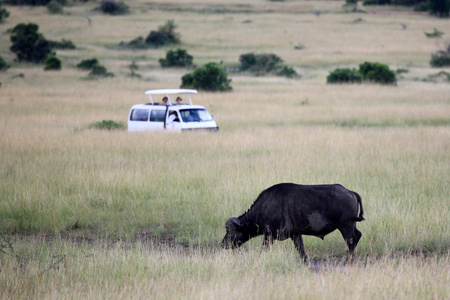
361 211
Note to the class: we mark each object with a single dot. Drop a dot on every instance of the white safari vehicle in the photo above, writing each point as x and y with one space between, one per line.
172 116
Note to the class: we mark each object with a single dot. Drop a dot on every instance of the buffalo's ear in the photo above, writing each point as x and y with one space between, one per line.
235 221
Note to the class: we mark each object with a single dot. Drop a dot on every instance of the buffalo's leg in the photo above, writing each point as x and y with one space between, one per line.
268 238
298 242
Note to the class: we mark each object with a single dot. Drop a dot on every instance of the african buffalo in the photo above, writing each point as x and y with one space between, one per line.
289 210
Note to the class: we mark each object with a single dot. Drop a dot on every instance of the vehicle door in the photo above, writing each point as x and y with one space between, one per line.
138 119
156 120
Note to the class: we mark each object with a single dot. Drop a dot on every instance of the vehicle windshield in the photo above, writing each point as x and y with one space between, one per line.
195 115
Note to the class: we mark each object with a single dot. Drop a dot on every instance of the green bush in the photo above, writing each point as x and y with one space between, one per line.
112 7
345 76
210 77
52 63
377 73
107 125
54 7
28 44
260 63
372 72
3 65
87 64
176 58
97 70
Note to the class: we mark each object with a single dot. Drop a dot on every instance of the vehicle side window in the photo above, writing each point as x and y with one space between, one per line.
196 115
157 116
139 115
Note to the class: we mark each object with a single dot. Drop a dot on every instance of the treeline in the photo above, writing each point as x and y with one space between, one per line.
438 8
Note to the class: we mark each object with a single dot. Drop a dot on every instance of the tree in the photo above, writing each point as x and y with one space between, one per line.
210 77
176 58
439 8
28 44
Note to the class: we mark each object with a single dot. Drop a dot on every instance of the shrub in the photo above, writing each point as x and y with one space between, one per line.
100 71
260 63
344 76
63 45
3 65
210 77
137 43
87 64
3 12
288 72
28 44
165 35
435 34
52 63
107 125
176 58
54 7
113 7
378 73
133 67
441 58
441 76
373 72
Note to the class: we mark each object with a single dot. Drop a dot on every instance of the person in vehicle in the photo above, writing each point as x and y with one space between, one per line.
172 120
165 100
173 117
179 100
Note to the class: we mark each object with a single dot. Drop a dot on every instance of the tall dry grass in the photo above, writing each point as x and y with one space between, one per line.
65 271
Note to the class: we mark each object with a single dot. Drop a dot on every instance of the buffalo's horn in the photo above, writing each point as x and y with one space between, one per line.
235 221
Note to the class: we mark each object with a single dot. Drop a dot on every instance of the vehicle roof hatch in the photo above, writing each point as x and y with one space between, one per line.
169 92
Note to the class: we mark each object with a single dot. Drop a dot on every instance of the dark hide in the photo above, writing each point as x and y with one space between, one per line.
288 210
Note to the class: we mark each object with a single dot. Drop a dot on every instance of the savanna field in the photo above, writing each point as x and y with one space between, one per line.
90 213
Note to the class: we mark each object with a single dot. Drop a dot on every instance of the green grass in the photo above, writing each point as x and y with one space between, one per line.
109 214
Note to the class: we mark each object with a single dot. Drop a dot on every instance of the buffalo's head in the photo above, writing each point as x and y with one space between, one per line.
237 234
